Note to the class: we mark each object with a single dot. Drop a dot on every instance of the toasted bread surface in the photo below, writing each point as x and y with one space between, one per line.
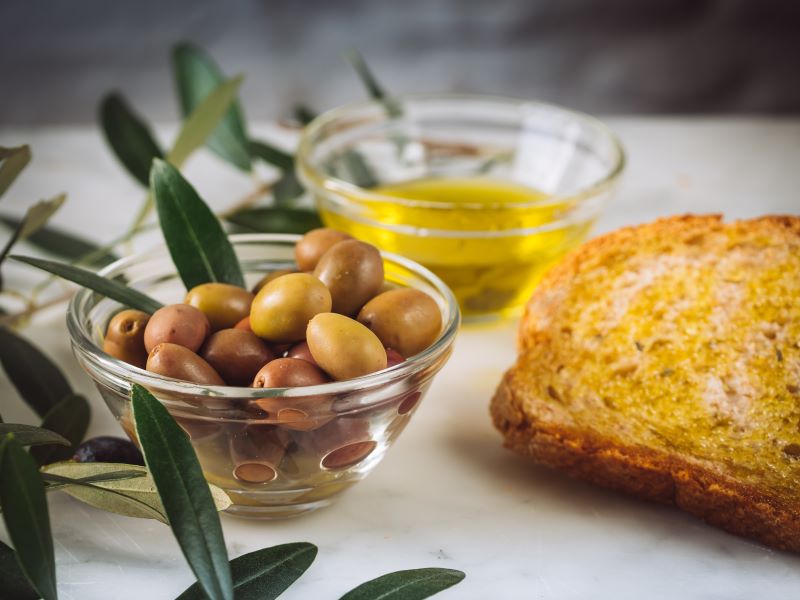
664 360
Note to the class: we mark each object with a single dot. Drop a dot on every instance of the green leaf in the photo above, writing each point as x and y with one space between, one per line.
199 247
15 584
357 170
184 492
264 574
62 243
129 137
374 89
414 584
28 435
196 77
70 418
303 114
12 161
272 155
287 189
35 218
276 220
37 379
25 513
107 287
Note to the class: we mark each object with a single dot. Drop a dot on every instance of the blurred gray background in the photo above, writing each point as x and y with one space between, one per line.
603 56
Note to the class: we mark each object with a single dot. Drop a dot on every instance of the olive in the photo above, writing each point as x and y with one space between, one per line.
244 324
407 320
223 304
353 272
178 362
393 358
343 347
301 351
108 449
177 324
269 277
289 372
125 337
236 355
284 306
314 244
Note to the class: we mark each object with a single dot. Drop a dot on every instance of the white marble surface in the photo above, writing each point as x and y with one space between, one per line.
447 494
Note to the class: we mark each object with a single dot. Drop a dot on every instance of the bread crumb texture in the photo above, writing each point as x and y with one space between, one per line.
676 345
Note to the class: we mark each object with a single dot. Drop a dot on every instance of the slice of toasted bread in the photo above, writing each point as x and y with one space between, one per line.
664 361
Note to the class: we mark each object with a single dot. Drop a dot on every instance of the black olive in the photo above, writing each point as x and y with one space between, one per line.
107 448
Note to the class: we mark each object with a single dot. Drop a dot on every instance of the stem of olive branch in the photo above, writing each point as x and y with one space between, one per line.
261 190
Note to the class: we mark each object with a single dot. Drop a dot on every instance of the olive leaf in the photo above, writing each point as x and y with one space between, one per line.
276 220
414 584
129 136
203 120
288 186
107 287
196 76
35 218
12 161
22 499
198 245
29 435
69 418
15 584
374 89
37 379
64 244
264 574
119 488
271 155
184 493
353 167
303 114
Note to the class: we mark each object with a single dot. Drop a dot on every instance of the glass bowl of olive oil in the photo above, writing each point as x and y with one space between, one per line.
486 192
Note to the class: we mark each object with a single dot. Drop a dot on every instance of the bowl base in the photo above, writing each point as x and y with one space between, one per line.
274 513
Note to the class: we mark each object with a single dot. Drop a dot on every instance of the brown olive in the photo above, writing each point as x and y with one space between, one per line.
284 306
314 244
407 320
223 304
178 362
289 372
301 351
353 272
393 358
125 337
343 347
244 324
269 277
177 324
236 355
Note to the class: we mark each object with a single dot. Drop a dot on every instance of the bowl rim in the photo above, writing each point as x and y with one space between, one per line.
84 344
314 179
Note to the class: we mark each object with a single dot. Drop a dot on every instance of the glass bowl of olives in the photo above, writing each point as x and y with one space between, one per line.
292 390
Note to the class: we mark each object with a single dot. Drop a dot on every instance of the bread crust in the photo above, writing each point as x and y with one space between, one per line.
651 474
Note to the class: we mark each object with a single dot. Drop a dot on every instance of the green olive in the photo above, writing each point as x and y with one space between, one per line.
407 320
353 272
343 347
314 244
269 277
177 324
236 355
125 337
223 304
178 362
289 372
283 307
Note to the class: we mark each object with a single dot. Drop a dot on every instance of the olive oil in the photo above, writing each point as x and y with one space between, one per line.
489 240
